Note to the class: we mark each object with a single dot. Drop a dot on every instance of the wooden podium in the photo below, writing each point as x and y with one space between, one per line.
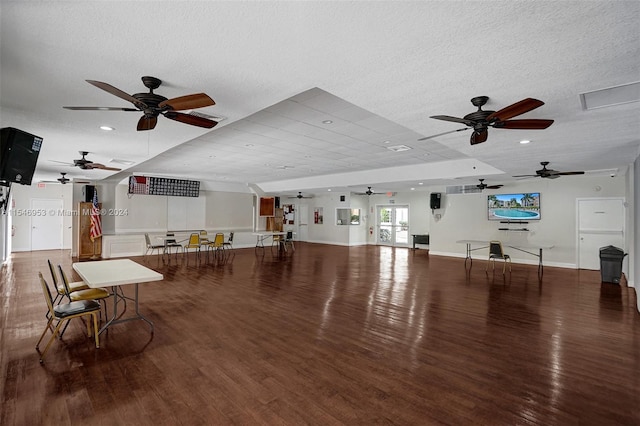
86 247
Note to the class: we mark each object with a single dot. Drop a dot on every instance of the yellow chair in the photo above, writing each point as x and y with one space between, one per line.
217 244
85 294
194 243
64 312
61 292
496 252
277 240
204 238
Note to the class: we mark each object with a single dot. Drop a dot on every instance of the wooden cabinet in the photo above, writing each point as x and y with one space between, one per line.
87 248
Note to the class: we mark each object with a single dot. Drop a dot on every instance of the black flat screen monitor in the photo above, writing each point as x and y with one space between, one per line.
514 207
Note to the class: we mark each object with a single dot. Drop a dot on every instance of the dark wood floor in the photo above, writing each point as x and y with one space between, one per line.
331 335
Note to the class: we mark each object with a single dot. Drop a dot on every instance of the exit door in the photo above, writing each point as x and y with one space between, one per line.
46 224
393 225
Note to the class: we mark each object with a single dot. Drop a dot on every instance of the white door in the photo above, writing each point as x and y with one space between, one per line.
46 224
303 222
600 224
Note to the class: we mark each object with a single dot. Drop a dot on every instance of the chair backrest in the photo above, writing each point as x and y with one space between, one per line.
65 281
54 276
47 293
203 234
170 240
147 239
218 241
194 239
495 248
230 237
289 235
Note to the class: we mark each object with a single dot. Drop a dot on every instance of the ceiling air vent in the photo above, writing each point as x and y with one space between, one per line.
217 118
399 148
463 189
610 96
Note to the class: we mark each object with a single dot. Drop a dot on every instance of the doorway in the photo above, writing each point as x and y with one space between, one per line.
46 224
393 225
601 223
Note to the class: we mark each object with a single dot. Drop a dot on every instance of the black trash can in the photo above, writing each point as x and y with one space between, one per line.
611 264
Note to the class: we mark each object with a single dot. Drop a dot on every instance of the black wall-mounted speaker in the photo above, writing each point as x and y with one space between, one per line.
19 152
435 200
277 201
88 191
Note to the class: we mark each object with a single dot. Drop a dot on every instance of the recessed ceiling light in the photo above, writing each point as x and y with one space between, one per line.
420 183
107 128
523 142
327 121
329 189
249 144
387 142
413 189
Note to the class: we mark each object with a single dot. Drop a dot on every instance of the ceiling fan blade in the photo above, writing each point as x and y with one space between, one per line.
101 167
99 108
533 124
513 110
569 173
117 92
147 123
494 186
454 119
479 136
63 162
526 176
442 134
190 119
198 100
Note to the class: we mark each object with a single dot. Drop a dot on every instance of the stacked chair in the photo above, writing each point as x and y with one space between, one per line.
64 312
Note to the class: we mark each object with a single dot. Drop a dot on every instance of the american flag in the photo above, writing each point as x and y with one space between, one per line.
96 220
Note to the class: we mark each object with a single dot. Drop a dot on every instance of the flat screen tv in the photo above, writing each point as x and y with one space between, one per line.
514 207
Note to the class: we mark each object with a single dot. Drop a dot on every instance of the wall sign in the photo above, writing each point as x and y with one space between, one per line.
148 185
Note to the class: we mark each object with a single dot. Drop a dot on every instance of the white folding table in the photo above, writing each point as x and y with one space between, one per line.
115 273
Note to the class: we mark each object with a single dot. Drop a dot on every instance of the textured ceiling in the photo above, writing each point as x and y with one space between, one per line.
278 70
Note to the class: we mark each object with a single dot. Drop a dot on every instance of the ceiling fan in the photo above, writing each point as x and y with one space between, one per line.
549 173
369 191
480 120
153 105
483 185
299 196
63 180
85 164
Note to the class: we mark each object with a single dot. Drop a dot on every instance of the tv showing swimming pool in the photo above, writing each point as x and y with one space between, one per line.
515 207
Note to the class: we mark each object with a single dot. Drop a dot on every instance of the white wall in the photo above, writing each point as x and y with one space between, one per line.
464 216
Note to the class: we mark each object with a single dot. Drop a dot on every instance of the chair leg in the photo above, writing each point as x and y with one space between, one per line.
50 341
95 329
48 327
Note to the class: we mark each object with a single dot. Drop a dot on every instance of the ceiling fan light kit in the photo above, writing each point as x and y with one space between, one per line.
153 105
481 120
